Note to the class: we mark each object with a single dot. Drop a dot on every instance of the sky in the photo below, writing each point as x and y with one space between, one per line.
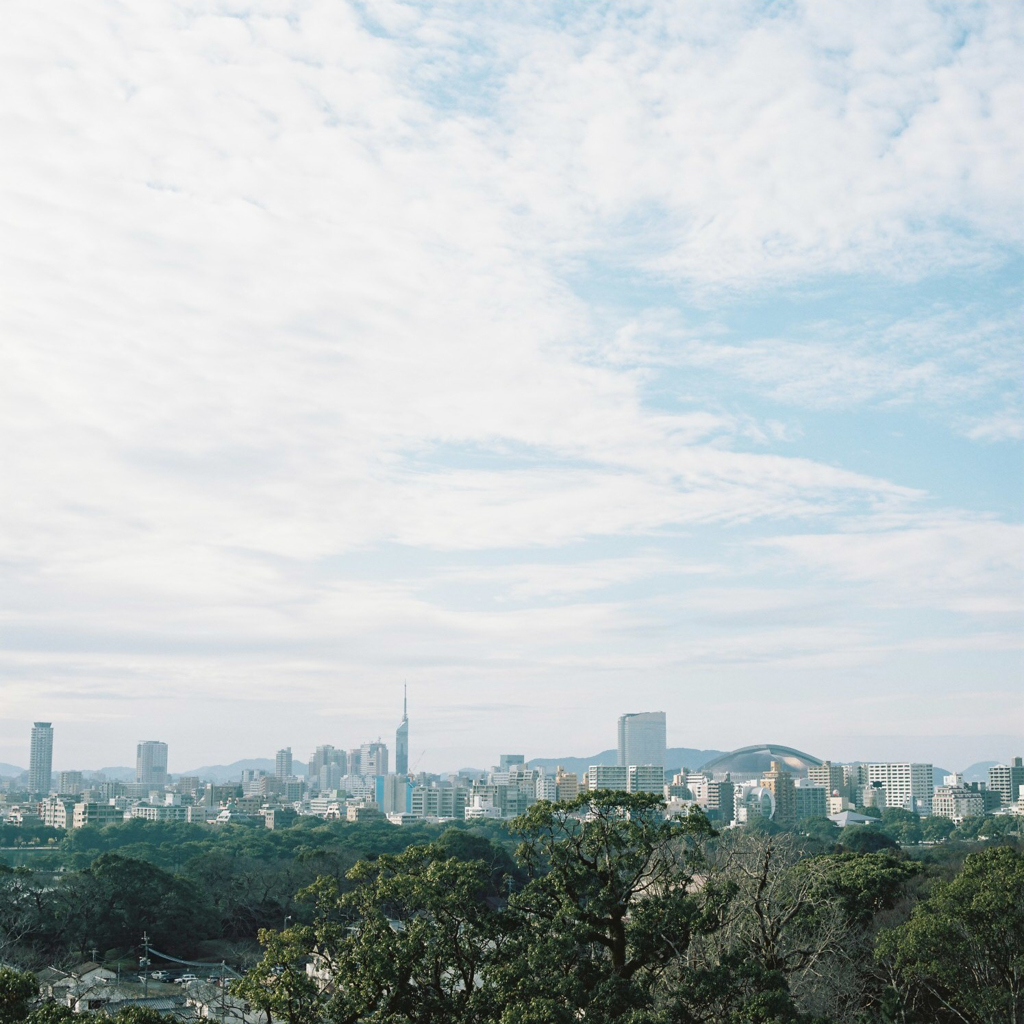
560 359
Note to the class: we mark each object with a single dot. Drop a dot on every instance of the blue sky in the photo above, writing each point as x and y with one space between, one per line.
560 359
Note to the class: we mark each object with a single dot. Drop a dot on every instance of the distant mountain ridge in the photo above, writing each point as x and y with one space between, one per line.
675 758
222 773
10 769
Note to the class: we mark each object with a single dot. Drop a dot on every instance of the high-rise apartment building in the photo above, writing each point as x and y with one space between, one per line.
779 783
645 778
567 784
1007 780
402 737
40 759
906 785
642 738
606 776
69 783
829 775
283 763
151 763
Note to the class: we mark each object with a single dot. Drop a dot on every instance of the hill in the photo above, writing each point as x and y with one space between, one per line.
675 758
222 773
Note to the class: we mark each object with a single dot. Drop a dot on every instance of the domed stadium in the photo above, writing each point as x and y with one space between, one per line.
748 762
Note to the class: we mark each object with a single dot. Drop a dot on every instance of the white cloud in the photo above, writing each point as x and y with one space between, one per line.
279 287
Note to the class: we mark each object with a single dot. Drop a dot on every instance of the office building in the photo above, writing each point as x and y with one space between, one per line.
642 738
95 813
506 761
373 759
151 763
392 794
402 738
325 755
40 759
906 785
1007 780
283 763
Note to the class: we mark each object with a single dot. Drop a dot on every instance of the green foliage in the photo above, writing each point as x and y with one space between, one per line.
56 1013
865 839
608 905
960 957
279 985
17 988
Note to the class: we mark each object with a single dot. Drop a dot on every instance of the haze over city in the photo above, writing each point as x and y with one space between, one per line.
563 360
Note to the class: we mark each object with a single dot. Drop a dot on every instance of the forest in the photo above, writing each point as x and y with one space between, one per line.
597 910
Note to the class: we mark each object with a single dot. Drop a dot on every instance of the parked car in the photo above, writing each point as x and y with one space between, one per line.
159 975
185 979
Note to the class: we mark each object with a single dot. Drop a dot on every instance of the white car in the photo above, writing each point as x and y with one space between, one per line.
185 979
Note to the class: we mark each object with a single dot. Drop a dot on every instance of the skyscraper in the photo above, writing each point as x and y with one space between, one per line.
642 738
283 763
373 759
40 759
402 737
151 763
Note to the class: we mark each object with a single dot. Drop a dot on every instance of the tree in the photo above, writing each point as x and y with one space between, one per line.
279 985
407 942
17 989
865 839
610 904
795 935
960 957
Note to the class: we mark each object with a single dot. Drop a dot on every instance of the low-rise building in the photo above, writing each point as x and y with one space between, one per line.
89 812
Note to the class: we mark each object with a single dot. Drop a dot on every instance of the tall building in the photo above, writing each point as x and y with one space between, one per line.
606 776
402 737
283 763
1007 780
645 778
151 763
642 738
40 759
779 783
906 785
373 759
69 783
327 755
506 761
829 775
567 783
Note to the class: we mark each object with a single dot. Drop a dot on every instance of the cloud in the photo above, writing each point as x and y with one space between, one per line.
287 284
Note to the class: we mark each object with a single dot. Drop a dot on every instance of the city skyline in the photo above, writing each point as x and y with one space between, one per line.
559 358
640 739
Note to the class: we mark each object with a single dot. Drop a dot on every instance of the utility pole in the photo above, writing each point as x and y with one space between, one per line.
144 964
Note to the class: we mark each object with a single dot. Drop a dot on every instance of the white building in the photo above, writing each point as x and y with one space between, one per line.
956 801
1007 780
907 785
645 778
606 776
